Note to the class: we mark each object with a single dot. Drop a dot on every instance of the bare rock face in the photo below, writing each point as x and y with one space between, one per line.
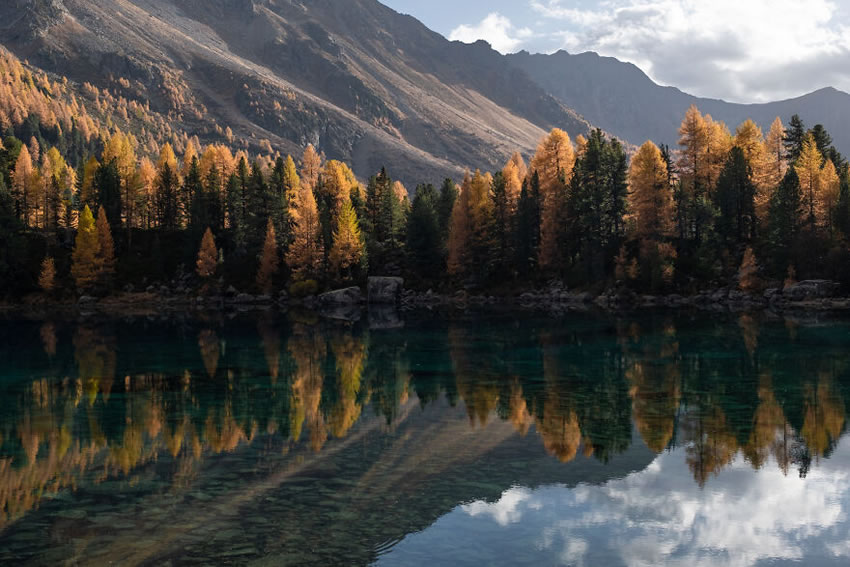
26 20
386 291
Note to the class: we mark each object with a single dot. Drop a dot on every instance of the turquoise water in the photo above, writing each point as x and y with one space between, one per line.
680 439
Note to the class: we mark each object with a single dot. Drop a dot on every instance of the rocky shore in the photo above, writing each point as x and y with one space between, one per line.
387 295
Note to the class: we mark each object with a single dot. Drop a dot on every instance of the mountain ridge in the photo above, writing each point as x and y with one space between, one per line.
619 97
358 80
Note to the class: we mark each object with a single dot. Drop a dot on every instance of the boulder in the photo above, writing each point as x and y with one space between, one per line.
386 291
811 289
347 296
244 298
86 300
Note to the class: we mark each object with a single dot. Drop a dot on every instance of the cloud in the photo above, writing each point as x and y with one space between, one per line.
740 50
495 29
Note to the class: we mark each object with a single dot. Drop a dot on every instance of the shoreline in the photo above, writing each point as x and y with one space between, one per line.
555 301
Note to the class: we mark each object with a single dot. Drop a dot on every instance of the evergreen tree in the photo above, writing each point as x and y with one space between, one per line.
193 199
424 240
794 136
107 182
783 220
166 197
12 244
528 226
596 204
735 199
445 205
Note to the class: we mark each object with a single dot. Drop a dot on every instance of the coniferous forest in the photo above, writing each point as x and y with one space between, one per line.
99 196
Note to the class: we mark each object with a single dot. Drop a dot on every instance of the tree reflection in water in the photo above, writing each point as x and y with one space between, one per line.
108 399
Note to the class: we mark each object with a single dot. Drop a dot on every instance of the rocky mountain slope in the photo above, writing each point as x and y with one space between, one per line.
361 82
623 100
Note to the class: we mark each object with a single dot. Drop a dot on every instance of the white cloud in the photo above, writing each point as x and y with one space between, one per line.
495 29
657 516
741 50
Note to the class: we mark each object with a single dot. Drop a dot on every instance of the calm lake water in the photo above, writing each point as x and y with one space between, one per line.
680 439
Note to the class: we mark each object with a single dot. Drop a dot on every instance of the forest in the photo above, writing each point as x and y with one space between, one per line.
99 196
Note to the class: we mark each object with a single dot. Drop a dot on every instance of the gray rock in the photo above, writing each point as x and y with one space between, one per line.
231 291
347 296
245 298
769 294
263 299
382 290
86 300
812 289
584 297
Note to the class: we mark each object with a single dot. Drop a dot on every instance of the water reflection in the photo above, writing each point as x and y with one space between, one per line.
85 406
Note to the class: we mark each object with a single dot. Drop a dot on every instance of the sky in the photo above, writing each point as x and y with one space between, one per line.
737 50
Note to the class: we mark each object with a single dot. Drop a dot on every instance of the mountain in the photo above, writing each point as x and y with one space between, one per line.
358 80
624 101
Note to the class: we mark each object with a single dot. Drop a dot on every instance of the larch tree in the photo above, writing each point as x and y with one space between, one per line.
85 260
774 168
106 248
268 261
553 162
513 174
808 167
207 256
23 184
311 166
748 279
470 233
47 276
650 195
830 184
347 250
306 253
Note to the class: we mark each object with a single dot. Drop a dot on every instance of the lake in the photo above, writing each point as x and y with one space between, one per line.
494 439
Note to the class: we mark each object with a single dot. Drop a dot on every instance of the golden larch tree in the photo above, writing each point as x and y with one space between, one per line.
522 168
311 166
106 246
830 185
268 260
306 253
774 150
347 250
471 215
748 279
720 142
207 256
85 260
291 181
808 167
47 276
553 162
650 196
513 173
23 183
